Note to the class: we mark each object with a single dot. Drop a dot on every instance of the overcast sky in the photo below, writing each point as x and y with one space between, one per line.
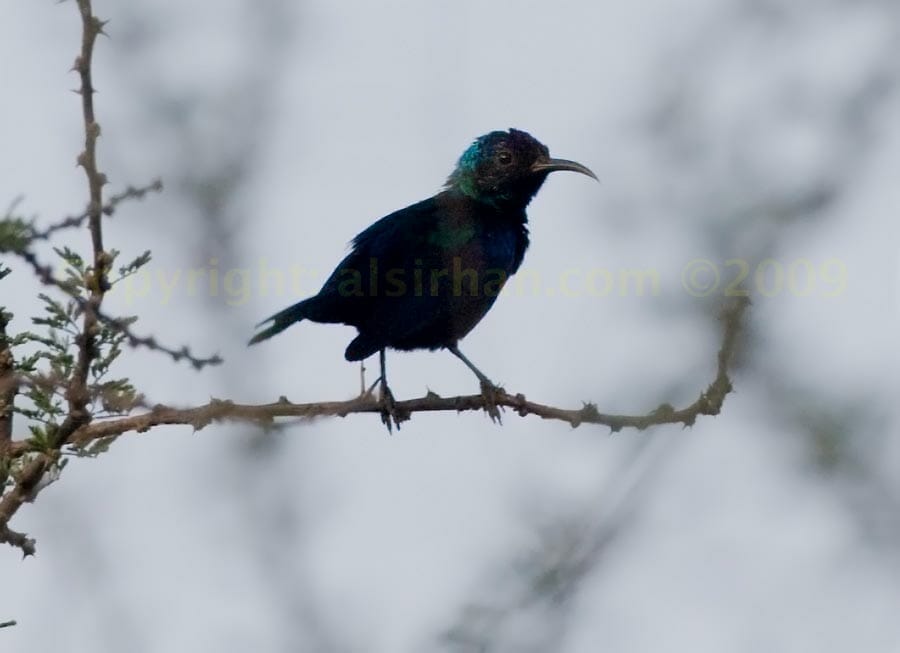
754 138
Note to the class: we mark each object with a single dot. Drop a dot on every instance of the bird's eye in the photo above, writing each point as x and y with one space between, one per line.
504 157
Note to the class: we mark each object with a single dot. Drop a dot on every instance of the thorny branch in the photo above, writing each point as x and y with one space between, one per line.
21 474
76 393
27 474
109 208
708 403
46 276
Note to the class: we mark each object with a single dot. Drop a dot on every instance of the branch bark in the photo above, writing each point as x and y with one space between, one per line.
8 390
76 393
709 402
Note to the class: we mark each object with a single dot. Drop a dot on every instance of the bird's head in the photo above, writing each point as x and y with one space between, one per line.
507 168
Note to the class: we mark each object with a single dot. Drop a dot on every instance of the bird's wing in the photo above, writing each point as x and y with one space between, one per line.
382 264
397 233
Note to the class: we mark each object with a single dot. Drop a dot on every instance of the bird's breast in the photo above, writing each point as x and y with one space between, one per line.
498 249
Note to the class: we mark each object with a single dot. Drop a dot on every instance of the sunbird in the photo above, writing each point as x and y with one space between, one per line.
424 276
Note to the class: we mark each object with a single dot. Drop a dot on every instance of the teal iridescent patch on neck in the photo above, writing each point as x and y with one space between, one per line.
466 169
473 154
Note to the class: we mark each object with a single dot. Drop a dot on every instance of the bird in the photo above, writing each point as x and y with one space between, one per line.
422 277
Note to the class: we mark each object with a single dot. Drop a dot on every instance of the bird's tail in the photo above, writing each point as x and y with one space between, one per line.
283 319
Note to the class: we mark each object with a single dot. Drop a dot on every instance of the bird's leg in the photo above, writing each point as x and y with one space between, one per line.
453 349
489 390
389 412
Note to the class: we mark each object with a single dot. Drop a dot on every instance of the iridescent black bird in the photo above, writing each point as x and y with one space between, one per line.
424 276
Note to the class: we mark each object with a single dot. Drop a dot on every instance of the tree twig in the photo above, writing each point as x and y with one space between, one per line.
109 208
26 482
709 402
77 394
45 274
8 390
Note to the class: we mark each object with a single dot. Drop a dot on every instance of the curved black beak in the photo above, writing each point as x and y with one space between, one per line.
552 165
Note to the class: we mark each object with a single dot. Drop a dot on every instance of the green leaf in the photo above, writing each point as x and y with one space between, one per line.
15 234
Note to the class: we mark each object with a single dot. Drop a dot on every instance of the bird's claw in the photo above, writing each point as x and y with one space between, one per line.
491 394
391 415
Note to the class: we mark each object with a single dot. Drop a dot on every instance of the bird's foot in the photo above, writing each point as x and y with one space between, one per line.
391 415
491 394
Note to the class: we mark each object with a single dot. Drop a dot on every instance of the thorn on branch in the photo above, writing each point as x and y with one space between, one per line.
98 25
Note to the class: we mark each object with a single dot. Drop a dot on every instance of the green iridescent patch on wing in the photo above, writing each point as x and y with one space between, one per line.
450 236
